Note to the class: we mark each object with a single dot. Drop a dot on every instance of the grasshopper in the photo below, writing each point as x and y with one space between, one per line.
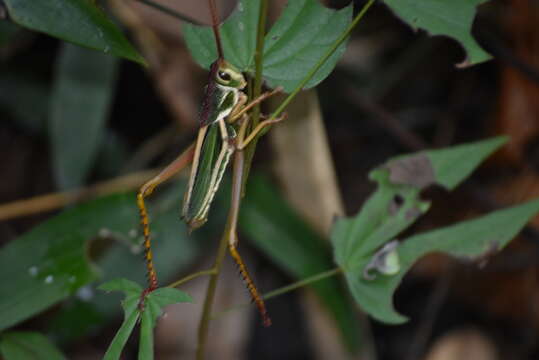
223 131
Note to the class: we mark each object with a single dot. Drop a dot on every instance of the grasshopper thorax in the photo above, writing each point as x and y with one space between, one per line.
227 75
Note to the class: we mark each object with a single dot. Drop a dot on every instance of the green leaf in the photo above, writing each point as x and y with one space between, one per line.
442 17
124 285
155 302
296 248
453 165
167 296
153 308
80 103
396 203
359 241
131 315
76 21
238 36
304 32
467 240
49 263
28 346
301 36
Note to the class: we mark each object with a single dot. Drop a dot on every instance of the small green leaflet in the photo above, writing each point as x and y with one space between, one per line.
153 307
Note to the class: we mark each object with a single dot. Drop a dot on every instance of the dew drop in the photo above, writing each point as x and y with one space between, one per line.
85 293
104 233
241 26
72 279
135 249
49 279
107 49
132 233
33 271
240 6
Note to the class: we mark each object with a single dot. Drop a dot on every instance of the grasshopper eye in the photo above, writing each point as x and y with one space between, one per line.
224 76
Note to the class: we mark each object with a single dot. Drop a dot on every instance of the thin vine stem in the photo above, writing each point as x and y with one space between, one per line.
322 60
192 276
257 86
285 289
302 283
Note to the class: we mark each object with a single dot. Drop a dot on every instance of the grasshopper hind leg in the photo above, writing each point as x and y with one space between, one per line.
233 239
146 190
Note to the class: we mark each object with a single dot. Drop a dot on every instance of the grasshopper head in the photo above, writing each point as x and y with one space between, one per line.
228 75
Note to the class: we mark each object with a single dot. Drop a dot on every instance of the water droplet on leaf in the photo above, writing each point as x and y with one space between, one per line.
33 271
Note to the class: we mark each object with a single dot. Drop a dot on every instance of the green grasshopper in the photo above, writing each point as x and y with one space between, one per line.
223 124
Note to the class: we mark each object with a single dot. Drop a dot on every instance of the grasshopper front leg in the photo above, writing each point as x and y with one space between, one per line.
243 141
240 109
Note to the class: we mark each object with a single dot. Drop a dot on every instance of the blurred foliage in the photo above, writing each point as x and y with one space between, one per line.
79 22
296 248
81 97
28 346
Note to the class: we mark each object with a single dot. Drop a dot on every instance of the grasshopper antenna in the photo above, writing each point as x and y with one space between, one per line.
215 27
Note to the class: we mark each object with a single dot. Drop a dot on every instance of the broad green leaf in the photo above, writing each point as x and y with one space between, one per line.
304 32
442 17
76 21
80 102
359 241
396 203
238 36
296 248
301 36
28 346
467 240
153 307
49 263
453 165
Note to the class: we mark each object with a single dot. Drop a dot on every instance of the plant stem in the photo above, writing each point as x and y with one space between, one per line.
210 294
192 276
257 87
302 283
285 289
322 60
169 11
